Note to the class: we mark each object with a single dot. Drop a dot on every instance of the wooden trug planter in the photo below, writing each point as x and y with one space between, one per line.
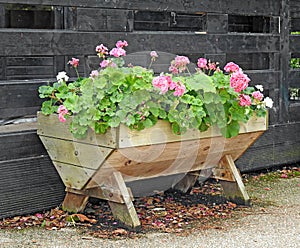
101 165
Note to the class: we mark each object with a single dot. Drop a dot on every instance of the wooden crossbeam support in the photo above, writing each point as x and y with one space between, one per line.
231 181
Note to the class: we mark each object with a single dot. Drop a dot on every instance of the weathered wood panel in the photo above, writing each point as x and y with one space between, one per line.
104 20
294 43
20 145
266 7
19 98
294 78
58 43
29 185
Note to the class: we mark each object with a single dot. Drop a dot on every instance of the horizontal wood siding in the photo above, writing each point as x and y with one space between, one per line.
266 7
28 185
254 34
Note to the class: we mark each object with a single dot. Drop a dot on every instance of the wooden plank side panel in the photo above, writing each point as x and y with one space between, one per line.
69 43
73 176
50 126
172 158
83 155
162 133
266 7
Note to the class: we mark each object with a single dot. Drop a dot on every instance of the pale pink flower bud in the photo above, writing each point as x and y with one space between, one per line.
154 54
94 74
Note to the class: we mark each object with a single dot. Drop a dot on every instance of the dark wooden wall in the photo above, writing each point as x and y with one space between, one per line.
37 42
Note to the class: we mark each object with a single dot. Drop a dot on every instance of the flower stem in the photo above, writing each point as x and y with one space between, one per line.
77 72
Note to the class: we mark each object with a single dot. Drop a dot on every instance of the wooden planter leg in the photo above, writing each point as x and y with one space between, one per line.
74 203
231 181
125 212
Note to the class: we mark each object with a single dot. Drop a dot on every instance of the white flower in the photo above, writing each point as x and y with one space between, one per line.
268 102
259 87
62 76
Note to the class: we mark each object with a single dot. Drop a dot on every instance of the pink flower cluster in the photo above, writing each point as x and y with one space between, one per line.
239 81
179 64
202 63
231 67
118 51
257 95
74 62
102 51
244 100
165 83
62 111
107 63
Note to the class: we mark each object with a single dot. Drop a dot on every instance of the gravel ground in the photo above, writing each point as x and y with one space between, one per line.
275 225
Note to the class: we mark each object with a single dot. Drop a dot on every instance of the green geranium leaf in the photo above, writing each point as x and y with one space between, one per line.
48 107
101 127
147 123
114 122
202 82
231 130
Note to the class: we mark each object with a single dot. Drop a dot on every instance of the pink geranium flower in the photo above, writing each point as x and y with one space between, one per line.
74 62
245 100
101 50
153 54
257 95
239 81
94 74
62 110
231 67
121 44
173 69
162 82
181 61
202 63
117 52
179 89
62 118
